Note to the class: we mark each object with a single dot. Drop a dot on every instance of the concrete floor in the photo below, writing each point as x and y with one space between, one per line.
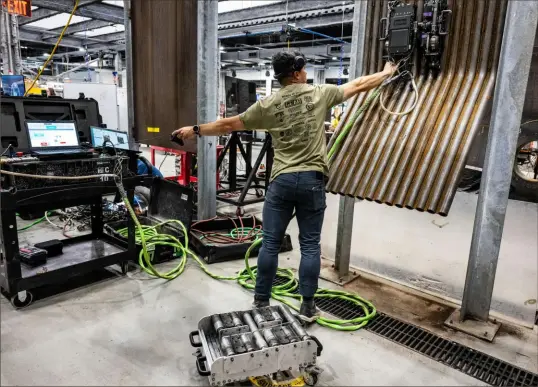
134 330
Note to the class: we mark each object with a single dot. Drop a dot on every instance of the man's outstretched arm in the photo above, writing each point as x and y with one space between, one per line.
219 127
368 82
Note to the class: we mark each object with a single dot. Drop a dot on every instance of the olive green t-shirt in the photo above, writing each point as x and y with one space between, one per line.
295 118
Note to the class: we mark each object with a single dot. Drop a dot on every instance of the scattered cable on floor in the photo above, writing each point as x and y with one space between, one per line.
240 234
52 223
37 221
149 237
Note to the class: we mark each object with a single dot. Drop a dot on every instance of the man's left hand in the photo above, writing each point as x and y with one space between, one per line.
184 133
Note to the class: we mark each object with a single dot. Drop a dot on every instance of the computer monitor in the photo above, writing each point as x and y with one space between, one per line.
52 135
13 85
119 139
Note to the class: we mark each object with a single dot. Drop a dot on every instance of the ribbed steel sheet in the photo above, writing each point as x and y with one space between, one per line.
415 161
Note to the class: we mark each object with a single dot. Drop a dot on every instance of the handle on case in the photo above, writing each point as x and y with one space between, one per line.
320 346
383 28
445 25
192 335
201 366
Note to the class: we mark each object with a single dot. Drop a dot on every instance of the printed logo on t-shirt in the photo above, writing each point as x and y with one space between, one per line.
293 102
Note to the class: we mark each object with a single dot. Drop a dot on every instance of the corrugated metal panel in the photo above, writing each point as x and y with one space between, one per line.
165 60
415 161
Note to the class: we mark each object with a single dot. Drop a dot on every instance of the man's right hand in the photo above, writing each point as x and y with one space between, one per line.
390 68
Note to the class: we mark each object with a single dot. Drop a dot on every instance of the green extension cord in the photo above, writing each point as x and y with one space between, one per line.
37 221
358 114
148 236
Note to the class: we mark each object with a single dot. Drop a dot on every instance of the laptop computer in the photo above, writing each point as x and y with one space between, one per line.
104 137
52 138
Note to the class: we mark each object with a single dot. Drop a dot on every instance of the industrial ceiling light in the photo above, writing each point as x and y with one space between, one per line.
335 58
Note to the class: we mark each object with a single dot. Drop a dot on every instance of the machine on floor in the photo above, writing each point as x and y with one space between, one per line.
245 345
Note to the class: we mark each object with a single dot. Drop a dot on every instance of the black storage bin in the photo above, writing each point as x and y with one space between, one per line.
168 201
226 252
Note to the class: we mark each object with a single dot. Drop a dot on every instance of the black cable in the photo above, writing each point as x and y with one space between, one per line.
162 162
111 143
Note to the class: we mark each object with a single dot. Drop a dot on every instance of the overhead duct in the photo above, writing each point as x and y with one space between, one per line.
415 161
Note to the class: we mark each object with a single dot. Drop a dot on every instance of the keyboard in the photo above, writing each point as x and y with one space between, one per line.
59 152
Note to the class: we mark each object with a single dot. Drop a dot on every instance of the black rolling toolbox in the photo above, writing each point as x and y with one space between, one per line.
216 252
168 201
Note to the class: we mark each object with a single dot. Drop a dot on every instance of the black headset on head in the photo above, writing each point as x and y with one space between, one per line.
298 63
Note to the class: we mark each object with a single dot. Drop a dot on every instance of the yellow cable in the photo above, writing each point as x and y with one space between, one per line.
54 49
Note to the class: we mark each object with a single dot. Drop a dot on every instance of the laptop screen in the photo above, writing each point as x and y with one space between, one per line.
45 135
100 135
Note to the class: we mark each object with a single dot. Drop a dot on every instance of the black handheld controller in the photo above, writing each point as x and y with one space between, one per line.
177 140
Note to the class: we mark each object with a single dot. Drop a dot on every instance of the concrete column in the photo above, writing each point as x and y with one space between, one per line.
15 44
3 43
117 62
222 87
207 106
268 86
319 76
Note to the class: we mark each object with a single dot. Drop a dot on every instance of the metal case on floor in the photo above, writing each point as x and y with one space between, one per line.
238 345
213 253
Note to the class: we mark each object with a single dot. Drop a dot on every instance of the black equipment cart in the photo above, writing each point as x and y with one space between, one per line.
81 254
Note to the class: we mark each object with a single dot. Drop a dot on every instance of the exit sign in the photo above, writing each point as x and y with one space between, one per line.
18 7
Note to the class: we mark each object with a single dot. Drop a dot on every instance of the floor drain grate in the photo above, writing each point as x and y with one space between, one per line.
467 360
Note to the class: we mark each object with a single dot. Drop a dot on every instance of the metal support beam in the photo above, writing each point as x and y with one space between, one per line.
80 27
347 205
98 11
34 34
38 14
207 106
512 76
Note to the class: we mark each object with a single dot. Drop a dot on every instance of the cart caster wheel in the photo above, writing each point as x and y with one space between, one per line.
21 300
310 379
259 193
240 211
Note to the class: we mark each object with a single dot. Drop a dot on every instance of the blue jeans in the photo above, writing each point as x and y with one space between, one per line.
303 192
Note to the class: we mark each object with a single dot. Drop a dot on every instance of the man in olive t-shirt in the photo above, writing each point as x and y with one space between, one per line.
294 116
